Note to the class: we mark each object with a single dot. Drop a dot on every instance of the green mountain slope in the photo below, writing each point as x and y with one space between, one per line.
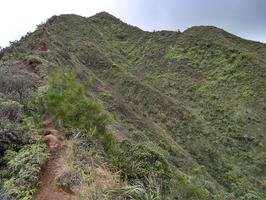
187 111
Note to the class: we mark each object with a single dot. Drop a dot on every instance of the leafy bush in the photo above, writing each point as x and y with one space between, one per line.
23 170
12 136
251 196
11 110
16 86
67 100
137 162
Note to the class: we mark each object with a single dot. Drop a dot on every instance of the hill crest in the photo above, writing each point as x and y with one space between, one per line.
186 110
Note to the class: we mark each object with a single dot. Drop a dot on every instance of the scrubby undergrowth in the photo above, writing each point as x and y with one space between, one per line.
165 115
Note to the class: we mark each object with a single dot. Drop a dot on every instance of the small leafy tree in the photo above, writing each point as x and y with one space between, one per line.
67 100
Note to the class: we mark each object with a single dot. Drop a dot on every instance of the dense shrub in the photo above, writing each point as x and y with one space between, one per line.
23 170
67 100
11 110
16 86
21 150
140 162
12 135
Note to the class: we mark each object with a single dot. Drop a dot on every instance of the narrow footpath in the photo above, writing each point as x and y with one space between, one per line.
58 146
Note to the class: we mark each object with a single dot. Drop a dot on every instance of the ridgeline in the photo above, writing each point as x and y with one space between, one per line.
149 115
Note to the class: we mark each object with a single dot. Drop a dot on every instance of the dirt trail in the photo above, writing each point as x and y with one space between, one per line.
57 163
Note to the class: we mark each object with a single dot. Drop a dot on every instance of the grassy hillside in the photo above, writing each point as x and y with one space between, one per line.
168 115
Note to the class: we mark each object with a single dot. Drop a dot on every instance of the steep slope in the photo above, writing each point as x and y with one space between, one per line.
195 101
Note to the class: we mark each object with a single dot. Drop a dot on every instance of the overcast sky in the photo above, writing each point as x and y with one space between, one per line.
245 18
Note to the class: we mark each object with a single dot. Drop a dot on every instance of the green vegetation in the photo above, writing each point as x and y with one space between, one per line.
22 151
164 115
66 100
24 167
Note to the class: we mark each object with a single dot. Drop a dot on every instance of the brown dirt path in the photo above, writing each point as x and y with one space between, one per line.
57 163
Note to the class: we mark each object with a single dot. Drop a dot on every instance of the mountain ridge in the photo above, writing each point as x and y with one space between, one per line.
187 108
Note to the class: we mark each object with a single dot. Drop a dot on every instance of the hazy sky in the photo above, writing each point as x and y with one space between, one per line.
245 18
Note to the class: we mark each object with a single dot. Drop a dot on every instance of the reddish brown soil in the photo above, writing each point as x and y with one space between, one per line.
41 46
48 189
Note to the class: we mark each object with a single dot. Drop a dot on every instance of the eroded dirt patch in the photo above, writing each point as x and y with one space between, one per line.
58 146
